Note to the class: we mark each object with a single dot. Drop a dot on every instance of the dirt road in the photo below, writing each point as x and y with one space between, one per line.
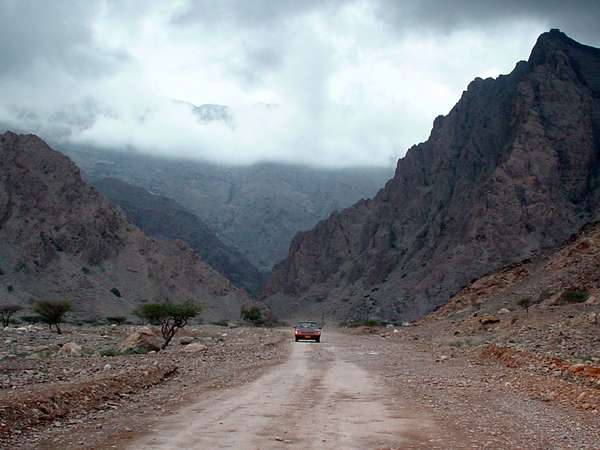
315 400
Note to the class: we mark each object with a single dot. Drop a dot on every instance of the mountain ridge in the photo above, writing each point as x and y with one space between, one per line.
164 218
60 239
510 170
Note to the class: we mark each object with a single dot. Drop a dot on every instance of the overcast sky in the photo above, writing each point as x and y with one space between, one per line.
325 82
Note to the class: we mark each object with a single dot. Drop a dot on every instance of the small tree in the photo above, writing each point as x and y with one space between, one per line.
525 303
117 320
6 312
253 314
171 317
53 312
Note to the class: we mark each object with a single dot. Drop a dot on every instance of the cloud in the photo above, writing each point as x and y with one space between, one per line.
579 18
333 83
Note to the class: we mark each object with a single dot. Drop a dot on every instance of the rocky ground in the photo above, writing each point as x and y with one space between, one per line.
477 398
59 391
505 379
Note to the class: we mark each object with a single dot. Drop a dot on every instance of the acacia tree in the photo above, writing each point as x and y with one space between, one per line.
253 314
53 312
171 317
6 312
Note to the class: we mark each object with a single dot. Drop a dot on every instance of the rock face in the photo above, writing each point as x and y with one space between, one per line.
60 239
162 217
256 209
512 169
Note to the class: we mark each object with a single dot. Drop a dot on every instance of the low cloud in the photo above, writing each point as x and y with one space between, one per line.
324 83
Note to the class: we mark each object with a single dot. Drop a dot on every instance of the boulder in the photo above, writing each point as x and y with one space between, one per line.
147 331
195 347
488 320
70 348
185 340
504 311
141 341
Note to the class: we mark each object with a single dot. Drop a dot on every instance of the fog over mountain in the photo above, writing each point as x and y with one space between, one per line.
327 83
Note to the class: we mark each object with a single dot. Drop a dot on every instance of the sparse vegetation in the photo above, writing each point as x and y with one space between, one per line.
31 319
171 317
254 315
116 292
9 288
85 270
221 323
7 311
117 320
109 352
53 312
576 295
524 303
461 343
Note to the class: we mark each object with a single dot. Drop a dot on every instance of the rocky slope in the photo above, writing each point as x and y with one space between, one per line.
59 239
568 275
164 218
256 209
512 169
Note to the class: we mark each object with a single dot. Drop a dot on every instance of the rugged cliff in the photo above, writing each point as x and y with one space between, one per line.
511 170
60 239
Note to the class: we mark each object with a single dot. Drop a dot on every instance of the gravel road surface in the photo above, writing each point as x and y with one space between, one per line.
315 400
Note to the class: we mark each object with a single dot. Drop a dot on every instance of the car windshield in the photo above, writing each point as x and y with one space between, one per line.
307 325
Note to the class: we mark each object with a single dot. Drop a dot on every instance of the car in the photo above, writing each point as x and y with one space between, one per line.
307 331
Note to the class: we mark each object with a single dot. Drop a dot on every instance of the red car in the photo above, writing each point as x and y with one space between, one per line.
308 331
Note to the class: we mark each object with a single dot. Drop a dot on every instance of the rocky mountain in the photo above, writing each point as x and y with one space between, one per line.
59 238
567 275
164 218
513 169
256 209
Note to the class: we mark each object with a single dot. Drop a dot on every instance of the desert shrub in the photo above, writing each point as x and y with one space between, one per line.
31 319
254 315
576 295
171 317
85 270
109 352
524 303
220 323
9 288
116 292
372 323
53 312
6 312
118 320
136 351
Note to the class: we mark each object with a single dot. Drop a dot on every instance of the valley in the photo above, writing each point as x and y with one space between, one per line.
155 255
